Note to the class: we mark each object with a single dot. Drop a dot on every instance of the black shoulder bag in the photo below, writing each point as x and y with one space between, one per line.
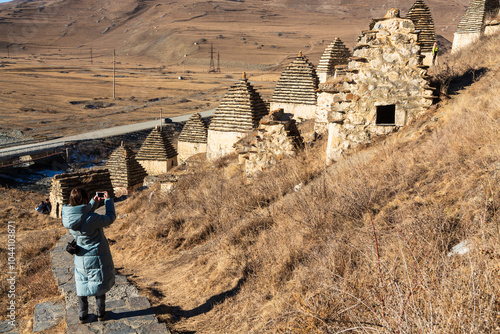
72 247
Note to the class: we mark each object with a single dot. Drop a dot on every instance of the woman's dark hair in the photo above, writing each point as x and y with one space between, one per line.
78 196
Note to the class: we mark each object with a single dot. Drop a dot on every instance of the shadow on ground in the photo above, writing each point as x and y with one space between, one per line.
178 313
456 83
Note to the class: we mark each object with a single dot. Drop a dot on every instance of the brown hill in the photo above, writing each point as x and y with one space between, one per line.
244 32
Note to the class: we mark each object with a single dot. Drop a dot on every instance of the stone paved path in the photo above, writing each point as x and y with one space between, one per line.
127 311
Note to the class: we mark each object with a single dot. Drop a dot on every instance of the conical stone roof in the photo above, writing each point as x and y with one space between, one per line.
157 146
298 83
124 169
421 16
473 19
240 110
335 54
194 131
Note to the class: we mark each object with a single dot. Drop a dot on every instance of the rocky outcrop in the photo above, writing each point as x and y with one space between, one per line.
295 91
239 112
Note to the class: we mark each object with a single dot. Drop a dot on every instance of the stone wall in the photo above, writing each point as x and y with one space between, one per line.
385 87
187 149
168 183
158 167
62 184
300 111
330 98
462 40
220 143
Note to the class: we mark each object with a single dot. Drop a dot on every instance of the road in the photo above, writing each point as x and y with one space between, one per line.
97 134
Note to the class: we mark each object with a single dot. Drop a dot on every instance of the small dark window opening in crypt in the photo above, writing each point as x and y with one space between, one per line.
386 115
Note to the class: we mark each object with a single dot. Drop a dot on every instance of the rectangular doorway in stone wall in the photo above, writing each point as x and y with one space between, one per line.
386 115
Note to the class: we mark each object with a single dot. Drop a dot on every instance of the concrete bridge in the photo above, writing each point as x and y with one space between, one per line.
25 153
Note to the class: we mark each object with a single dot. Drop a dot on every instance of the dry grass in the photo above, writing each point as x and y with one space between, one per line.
36 235
362 247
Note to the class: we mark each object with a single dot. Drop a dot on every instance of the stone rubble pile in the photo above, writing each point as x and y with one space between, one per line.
276 137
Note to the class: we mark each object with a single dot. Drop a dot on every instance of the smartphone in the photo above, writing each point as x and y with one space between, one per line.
100 194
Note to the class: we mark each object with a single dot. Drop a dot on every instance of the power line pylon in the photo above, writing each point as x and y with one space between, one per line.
218 62
212 65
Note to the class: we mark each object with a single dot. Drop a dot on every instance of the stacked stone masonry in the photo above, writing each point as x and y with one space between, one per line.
421 16
126 172
193 138
157 155
276 137
92 181
385 87
295 91
240 111
472 24
336 54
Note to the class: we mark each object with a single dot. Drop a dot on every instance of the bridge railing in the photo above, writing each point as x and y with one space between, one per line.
29 150
36 139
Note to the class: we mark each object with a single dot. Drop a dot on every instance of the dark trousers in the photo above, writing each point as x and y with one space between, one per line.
83 305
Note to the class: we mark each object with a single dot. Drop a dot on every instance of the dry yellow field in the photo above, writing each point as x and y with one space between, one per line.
46 48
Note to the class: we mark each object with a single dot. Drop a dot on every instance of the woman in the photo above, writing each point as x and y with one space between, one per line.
94 269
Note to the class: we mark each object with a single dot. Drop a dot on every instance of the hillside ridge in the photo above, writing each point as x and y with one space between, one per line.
167 31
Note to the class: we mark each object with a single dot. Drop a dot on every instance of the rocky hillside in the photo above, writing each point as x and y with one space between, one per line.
400 236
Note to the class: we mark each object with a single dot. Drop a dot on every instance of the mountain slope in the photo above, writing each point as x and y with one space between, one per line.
363 246
166 31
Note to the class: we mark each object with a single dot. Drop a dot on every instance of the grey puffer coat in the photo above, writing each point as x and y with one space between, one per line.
94 269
